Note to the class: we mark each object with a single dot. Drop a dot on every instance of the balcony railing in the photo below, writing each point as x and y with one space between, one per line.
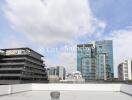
6 69
18 63
10 75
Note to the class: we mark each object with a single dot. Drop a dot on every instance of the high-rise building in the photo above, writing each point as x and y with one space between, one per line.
61 72
21 65
51 71
95 60
104 59
86 60
56 72
125 70
52 77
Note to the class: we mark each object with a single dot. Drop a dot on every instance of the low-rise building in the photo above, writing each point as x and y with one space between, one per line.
125 70
75 77
21 65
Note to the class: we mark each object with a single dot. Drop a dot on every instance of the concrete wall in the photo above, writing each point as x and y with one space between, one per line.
126 89
9 89
21 88
81 87
4 89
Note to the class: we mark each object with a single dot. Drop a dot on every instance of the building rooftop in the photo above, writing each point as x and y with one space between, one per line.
24 48
68 95
85 45
67 91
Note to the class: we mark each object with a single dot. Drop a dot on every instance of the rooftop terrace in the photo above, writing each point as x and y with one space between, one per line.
68 95
67 91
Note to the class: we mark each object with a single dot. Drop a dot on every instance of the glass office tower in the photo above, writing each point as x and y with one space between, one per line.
104 58
86 61
95 61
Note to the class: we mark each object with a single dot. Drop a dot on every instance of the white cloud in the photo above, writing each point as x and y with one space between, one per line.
52 21
64 56
122 47
68 60
122 44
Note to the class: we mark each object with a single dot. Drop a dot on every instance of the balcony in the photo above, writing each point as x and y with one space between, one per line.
9 75
35 71
34 66
32 76
22 59
2 64
6 69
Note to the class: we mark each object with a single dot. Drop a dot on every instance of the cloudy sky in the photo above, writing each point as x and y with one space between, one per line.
55 27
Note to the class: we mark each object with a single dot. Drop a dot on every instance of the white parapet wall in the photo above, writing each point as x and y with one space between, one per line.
4 89
21 88
9 89
126 89
77 87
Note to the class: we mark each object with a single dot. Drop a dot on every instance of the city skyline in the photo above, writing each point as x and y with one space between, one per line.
50 27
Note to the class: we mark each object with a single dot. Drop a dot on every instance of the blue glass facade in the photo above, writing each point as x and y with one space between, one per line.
95 61
104 58
86 61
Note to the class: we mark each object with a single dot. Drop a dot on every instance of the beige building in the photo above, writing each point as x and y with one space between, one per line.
125 70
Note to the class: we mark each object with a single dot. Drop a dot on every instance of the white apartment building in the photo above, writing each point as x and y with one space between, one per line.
125 70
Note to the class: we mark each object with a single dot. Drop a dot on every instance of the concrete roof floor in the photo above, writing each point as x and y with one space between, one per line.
68 95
